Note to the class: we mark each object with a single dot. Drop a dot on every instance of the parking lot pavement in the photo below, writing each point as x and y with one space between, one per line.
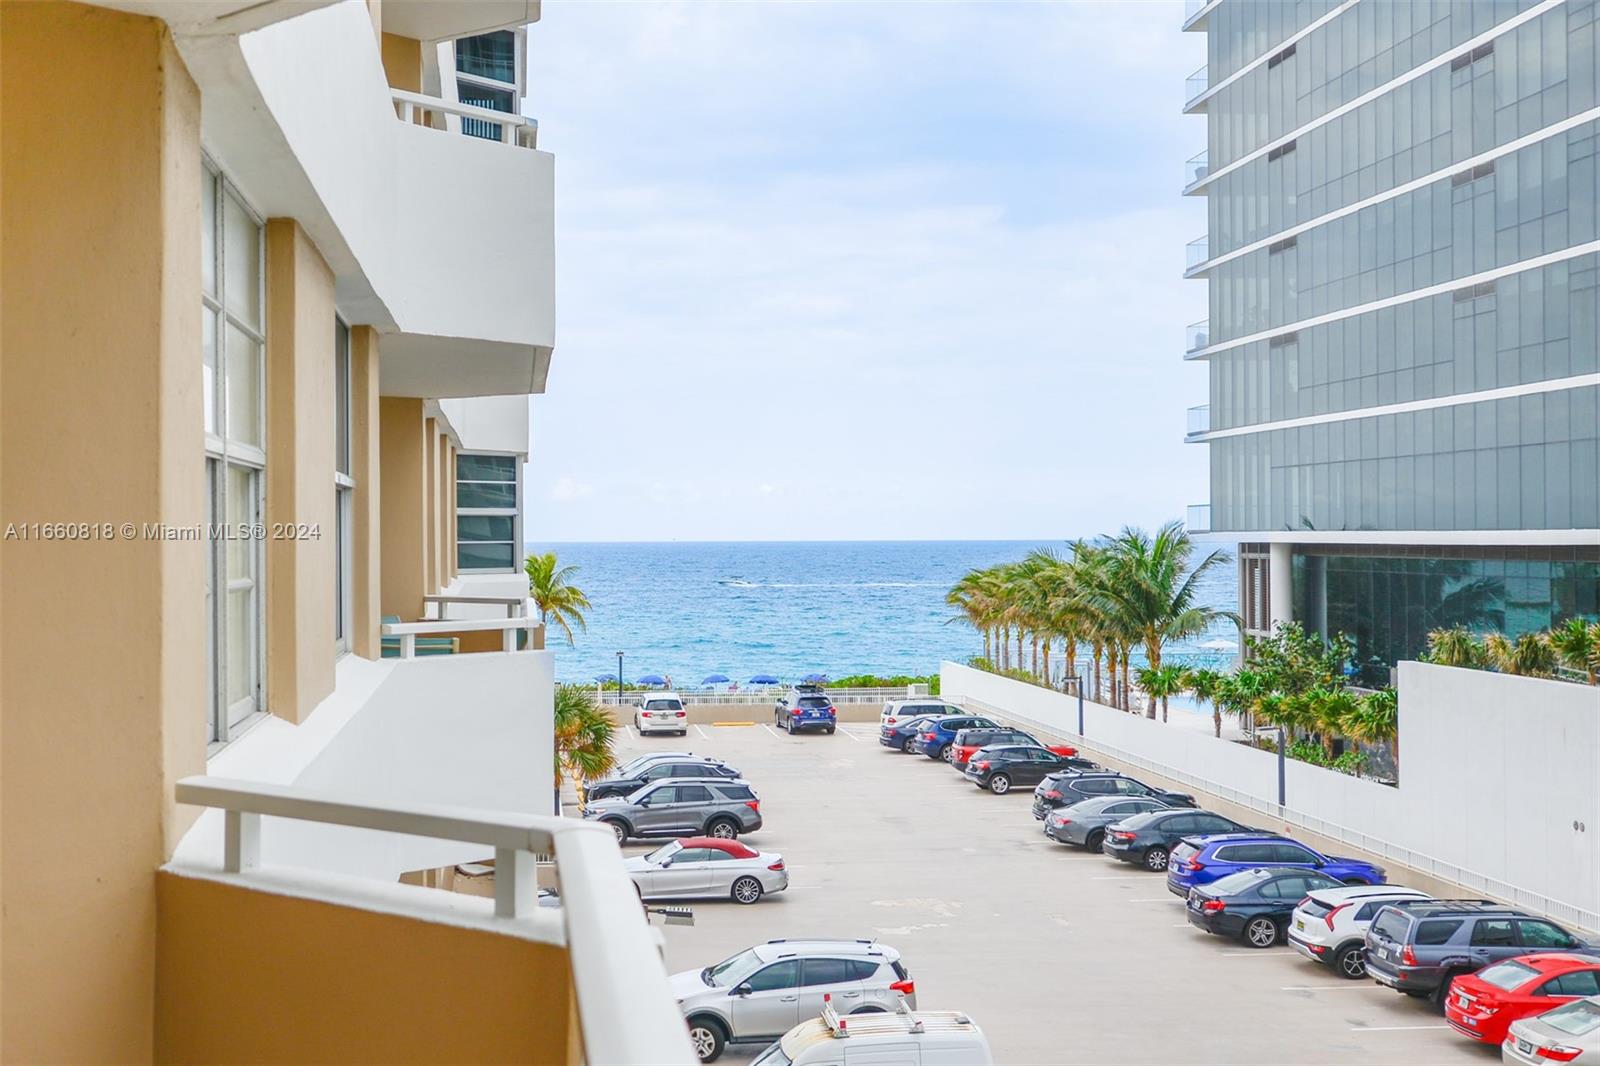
1060 955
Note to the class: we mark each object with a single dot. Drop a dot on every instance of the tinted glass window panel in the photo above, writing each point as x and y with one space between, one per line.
825 971
784 974
694 794
486 468
485 556
1435 931
480 494
1493 932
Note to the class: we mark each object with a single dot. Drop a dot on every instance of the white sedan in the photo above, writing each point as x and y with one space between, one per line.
707 868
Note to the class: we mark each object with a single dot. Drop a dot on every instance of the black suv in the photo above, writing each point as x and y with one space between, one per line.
1420 948
1148 839
1070 786
692 768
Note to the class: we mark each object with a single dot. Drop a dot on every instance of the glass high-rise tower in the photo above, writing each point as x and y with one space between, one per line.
1402 259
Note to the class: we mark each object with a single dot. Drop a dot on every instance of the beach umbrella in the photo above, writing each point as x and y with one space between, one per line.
716 679
762 679
605 677
1219 645
652 679
814 679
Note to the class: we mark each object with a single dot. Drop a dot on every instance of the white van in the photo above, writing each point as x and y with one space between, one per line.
904 1038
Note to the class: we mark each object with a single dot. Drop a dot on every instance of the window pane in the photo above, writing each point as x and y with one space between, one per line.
483 556
244 391
208 232
241 267
341 396
485 527
240 666
492 55
208 345
241 512
483 494
486 467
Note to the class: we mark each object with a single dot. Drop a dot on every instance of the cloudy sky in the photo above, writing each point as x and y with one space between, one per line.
866 270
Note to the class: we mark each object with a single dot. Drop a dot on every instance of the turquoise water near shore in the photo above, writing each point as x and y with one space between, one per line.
689 610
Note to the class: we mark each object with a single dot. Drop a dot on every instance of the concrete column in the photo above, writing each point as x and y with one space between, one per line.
441 510
103 683
450 512
1280 582
403 486
430 505
365 468
301 569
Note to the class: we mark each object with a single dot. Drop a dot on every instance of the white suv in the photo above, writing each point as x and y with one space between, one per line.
1330 925
895 710
763 992
661 712
904 1038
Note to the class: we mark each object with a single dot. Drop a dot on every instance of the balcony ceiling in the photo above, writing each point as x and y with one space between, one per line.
431 20
198 17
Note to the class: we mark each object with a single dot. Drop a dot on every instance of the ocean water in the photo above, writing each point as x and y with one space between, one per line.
689 610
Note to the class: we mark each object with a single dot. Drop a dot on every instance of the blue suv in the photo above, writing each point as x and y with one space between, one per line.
1200 860
805 707
936 736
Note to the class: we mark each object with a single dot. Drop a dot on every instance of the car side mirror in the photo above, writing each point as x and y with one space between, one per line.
742 990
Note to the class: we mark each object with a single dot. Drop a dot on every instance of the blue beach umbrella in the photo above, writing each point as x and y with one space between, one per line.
716 679
762 679
652 679
605 677
814 679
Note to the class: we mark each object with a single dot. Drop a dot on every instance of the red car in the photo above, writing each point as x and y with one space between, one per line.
969 741
1484 1004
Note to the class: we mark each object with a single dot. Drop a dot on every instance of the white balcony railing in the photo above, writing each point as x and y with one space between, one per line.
514 605
431 111
408 632
1198 519
1196 169
1195 86
626 1008
1197 335
1197 251
1199 420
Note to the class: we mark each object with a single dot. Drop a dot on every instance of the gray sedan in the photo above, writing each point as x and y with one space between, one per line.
1571 1032
707 868
1084 823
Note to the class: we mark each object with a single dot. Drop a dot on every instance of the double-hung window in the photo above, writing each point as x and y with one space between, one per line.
233 344
343 488
488 512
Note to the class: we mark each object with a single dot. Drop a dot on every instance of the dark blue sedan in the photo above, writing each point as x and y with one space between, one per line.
937 736
904 734
1197 861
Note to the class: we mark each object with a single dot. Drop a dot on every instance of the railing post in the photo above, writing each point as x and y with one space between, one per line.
516 889
508 638
241 841
408 645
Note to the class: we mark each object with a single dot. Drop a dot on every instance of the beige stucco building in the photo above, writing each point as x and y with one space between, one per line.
278 284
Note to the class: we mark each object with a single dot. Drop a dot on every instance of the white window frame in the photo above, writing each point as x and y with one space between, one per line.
515 513
225 722
343 492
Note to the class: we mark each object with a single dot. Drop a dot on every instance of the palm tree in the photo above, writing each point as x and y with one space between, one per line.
1577 642
1530 655
554 596
1162 682
1206 686
584 732
1456 646
1377 721
1330 710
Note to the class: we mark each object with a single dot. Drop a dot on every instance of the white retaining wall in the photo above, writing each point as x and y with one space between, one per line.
1500 777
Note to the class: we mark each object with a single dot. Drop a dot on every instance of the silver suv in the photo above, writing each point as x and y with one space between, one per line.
675 807
763 992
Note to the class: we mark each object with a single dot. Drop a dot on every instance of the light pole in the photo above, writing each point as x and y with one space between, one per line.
619 679
1079 679
1283 740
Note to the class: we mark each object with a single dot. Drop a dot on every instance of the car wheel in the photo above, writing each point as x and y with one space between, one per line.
746 890
909 745
619 828
1261 932
869 1010
1441 995
790 726
708 1038
1351 962
1155 859
1093 841
723 829
946 754
999 784
830 730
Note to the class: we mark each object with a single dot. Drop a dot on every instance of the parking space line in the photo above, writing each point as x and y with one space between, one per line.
852 736
769 729
631 734
1393 1028
1122 879
1351 987
1159 899
1264 953
702 732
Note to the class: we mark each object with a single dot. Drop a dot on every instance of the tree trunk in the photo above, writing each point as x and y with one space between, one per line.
1095 669
1019 647
1005 648
1163 709
1034 668
1047 660
1126 699
987 650
1216 719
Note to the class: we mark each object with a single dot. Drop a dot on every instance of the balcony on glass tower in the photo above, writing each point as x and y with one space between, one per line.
1196 13
1196 252
1198 519
1195 171
1196 336
1195 88
1199 421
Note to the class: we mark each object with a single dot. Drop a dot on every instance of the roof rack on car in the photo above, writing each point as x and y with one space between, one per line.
823 940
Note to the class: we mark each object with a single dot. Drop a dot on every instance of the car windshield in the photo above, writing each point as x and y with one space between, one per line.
1392 924
1235 883
1578 1018
1507 975
732 971
663 853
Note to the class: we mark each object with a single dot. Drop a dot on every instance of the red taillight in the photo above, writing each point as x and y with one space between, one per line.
1053 794
984 765
683 714
907 987
1195 864
888 721
1328 918
1558 1053
927 736
832 712
777 865
1120 835
1212 906
1407 956
754 805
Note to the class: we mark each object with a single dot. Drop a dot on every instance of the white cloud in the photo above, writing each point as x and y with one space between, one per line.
566 490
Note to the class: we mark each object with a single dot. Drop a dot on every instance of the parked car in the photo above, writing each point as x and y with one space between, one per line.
1001 767
661 712
805 707
902 1038
1252 905
681 808
1084 823
639 762
1568 1034
690 766
902 735
1080 783
763 991
1198 861
1483 1005
896 711
1330 925
1420 948
1148 839
938 735
968 741
707 868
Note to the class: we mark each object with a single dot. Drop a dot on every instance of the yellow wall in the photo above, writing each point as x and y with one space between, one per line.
101 702
365 549
294 980
402 505
301 566
402 61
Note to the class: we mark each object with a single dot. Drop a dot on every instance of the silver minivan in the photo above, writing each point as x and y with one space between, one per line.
675 807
